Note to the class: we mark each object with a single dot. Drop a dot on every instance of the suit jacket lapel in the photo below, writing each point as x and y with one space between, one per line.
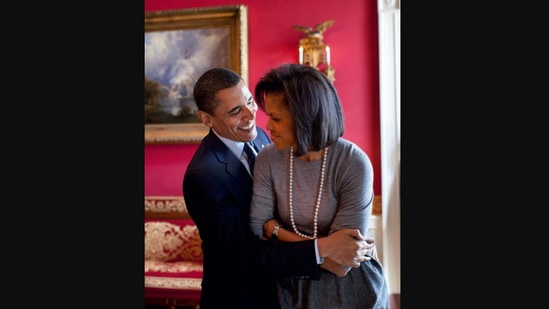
233 166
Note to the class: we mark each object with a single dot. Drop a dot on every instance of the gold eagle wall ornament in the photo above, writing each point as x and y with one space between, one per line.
317 30
312 50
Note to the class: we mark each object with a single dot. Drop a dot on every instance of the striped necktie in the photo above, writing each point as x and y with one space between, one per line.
250 156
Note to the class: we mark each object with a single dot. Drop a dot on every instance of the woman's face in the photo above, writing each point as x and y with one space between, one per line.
280 122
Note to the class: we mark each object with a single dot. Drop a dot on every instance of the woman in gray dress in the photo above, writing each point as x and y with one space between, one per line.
311 182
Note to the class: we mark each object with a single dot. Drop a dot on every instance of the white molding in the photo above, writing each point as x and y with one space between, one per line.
389 80
387 5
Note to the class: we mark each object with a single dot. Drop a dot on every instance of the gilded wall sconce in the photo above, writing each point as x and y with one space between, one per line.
312 50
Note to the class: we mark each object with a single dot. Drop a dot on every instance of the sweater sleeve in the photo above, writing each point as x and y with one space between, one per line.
355 190
263 198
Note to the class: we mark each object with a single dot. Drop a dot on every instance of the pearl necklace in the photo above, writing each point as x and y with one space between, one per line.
319 196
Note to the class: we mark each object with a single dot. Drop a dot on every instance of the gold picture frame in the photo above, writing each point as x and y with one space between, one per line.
185 43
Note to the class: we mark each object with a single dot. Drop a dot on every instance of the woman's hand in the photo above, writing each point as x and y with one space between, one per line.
268 228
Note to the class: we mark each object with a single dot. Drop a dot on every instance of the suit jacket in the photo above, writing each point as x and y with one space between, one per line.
239 268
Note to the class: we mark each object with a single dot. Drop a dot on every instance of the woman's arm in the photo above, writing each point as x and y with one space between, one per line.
288 236
263 203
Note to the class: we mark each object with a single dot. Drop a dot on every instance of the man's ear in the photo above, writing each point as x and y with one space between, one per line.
205 118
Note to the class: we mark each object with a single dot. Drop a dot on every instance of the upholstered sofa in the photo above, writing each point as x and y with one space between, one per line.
173 255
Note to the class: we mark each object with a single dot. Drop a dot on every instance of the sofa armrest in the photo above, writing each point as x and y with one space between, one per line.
172 240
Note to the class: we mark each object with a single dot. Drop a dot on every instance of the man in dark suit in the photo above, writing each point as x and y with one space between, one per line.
239 267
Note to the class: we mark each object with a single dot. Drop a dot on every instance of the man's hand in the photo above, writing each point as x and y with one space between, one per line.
337 269
371 247
346 247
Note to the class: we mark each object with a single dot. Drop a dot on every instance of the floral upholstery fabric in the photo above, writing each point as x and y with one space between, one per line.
172 240
173 259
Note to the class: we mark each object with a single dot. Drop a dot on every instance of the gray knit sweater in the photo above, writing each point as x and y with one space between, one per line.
347 194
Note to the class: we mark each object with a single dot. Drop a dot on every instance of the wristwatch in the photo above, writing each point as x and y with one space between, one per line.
274 234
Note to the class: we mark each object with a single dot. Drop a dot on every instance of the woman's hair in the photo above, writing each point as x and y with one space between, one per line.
209 84
313 103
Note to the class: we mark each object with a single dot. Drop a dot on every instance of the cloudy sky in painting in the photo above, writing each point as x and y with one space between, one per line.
179 57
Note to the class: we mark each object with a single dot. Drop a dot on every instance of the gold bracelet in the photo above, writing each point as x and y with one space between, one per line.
274 234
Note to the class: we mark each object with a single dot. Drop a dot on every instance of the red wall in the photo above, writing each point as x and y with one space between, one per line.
353 40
